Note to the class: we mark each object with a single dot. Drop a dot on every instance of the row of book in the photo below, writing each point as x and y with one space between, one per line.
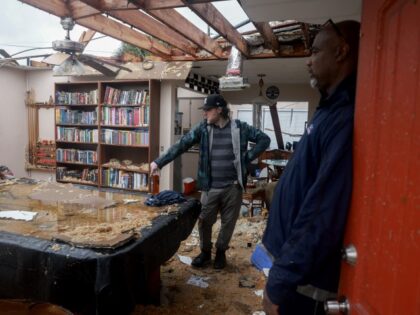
77 156
125 137
81 175
72 134
76 98
114 96
67 116
123 179
126 116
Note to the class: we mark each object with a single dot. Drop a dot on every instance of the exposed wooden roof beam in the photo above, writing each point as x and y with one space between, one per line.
168 4
177 22
217 21
55 7
121 32
103 25
268 35
145 23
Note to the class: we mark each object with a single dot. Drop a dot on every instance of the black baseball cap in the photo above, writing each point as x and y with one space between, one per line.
213 101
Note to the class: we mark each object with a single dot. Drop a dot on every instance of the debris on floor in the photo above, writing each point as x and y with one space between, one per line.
237 289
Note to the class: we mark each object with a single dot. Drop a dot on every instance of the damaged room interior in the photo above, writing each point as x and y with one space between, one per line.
209 157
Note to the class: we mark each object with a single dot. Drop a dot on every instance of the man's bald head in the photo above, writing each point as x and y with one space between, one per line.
334 54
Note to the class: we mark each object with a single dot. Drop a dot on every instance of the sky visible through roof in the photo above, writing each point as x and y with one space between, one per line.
26 27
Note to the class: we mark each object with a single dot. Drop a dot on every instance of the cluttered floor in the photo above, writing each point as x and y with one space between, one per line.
235 290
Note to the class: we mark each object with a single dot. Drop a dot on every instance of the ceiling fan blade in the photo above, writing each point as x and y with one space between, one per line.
57 58
86 37
5 54
95 64
107 62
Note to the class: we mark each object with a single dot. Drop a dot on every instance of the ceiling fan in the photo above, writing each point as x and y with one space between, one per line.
69 58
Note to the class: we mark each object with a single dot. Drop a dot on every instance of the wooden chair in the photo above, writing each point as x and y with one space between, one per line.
276 154
253 197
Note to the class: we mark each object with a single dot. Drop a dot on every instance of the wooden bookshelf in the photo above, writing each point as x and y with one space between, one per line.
107 132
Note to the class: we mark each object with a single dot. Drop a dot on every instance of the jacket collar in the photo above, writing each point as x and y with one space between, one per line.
345 89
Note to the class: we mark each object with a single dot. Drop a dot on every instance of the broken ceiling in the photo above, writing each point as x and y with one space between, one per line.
156 26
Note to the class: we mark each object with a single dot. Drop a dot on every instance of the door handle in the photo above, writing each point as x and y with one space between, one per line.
349 254
337 307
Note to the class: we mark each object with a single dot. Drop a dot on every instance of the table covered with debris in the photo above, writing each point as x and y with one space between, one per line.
91 252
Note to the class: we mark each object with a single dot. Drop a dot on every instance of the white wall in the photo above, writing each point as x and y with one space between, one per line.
288 93
13 121
166 131
188 103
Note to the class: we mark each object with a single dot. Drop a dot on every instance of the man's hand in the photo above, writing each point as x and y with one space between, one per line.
269 307
154 169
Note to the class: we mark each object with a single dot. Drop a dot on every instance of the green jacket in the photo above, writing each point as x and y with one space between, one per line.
202 133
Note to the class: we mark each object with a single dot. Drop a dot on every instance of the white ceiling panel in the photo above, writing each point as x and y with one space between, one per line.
310 11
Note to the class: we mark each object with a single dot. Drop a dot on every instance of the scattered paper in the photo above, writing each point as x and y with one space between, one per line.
129 201
18 215
266 271
259 293
198 281
185 259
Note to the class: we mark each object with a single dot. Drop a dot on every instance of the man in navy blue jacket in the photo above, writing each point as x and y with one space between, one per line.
308 212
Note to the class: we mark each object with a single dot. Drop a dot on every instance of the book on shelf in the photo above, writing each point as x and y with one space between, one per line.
124 179
76 98
77 156
76 117
74 134
125 137
125 116
114 96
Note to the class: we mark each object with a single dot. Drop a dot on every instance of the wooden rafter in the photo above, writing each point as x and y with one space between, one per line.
169 4
55 7
121 32
144 23
132 21
103 25
217 21
177 22
268 35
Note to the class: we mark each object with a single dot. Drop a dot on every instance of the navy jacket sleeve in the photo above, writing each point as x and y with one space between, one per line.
318 228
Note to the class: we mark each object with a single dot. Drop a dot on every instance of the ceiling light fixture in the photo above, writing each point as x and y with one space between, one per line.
257 104
260 99
69 67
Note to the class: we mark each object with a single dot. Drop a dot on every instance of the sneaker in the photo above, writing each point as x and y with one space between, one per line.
219 260
201 260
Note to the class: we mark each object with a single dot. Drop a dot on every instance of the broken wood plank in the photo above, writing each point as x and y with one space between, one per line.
177 22
103 25
86 37
146 24
217 21
268 35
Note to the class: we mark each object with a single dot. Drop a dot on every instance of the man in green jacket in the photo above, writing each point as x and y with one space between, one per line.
222 172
